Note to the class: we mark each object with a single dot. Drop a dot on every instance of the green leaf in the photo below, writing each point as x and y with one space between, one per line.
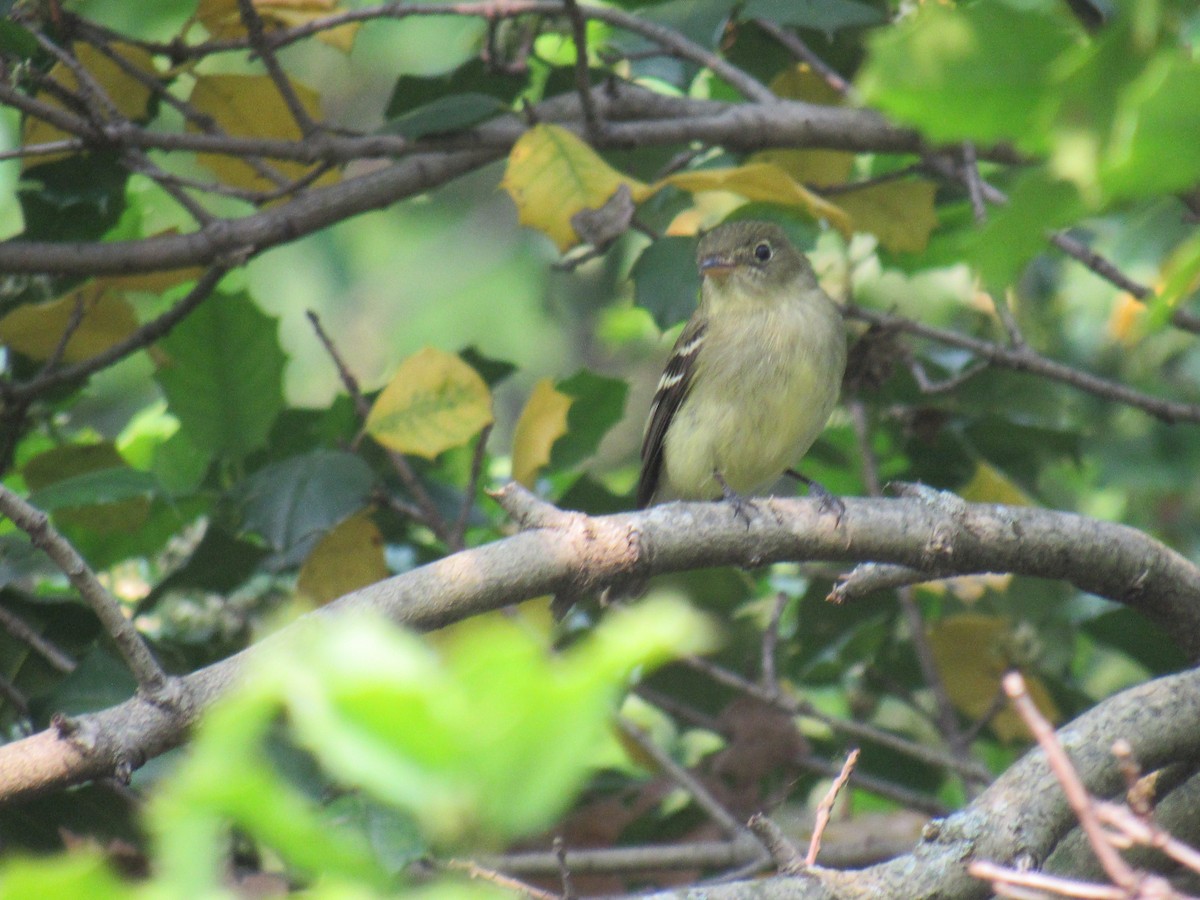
1016 233
81 874
293 503
99 681
89 485
223 377
665 280
411 92
17 41
492 371
100 487
1154 145
984 71
219 563
599 405
74 199
828 16
445 115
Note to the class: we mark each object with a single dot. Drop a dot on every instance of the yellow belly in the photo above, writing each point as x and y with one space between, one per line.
751 415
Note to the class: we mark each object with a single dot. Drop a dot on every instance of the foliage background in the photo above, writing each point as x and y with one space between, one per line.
219 484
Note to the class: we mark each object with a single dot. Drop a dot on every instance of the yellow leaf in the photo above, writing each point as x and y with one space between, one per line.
899 213
970 589
36 328
764 182
435 401
223 20
349 557
819 167
128 94
1128 313
990 485
250 106
800 82
543 421
969 652
552 175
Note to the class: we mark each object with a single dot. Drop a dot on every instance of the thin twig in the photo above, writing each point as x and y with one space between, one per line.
1145 832
974 183
430 516
583 81
464 514
799 49
151 679
9 692
491 876
145 335
1026 360
929 386
857 730
256 34
47 650
784 853
944 714
1041 882
681 776
862 436
564 872
1119 871
770 642
825 807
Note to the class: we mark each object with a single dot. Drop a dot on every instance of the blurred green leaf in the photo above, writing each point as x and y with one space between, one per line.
665 280
445 115
82 874
474 77
1016 233
223 375
981 71
487 740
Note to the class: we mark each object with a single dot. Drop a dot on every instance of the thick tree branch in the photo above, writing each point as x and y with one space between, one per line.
1021 817
633 117
579 555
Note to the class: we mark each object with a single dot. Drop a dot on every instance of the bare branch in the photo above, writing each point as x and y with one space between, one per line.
151 679
1026 360
1121 873
147 334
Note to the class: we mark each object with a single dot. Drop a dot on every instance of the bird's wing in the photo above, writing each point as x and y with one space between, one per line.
672 389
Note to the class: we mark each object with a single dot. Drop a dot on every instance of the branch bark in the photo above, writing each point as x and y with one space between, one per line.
578 555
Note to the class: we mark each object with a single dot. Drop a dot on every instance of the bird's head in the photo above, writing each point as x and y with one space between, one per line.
750 260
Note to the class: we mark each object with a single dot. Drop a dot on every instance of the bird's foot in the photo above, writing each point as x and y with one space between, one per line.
827 502
742 508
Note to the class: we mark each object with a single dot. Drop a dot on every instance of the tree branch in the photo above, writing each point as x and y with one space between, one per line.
579 554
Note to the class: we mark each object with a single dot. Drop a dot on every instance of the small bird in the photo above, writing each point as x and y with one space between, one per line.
753 377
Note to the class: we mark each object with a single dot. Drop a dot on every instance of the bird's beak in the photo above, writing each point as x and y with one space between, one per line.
717 267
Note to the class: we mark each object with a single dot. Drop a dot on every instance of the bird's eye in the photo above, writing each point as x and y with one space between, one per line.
762 252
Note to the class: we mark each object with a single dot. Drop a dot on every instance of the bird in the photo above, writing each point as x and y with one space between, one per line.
752 379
